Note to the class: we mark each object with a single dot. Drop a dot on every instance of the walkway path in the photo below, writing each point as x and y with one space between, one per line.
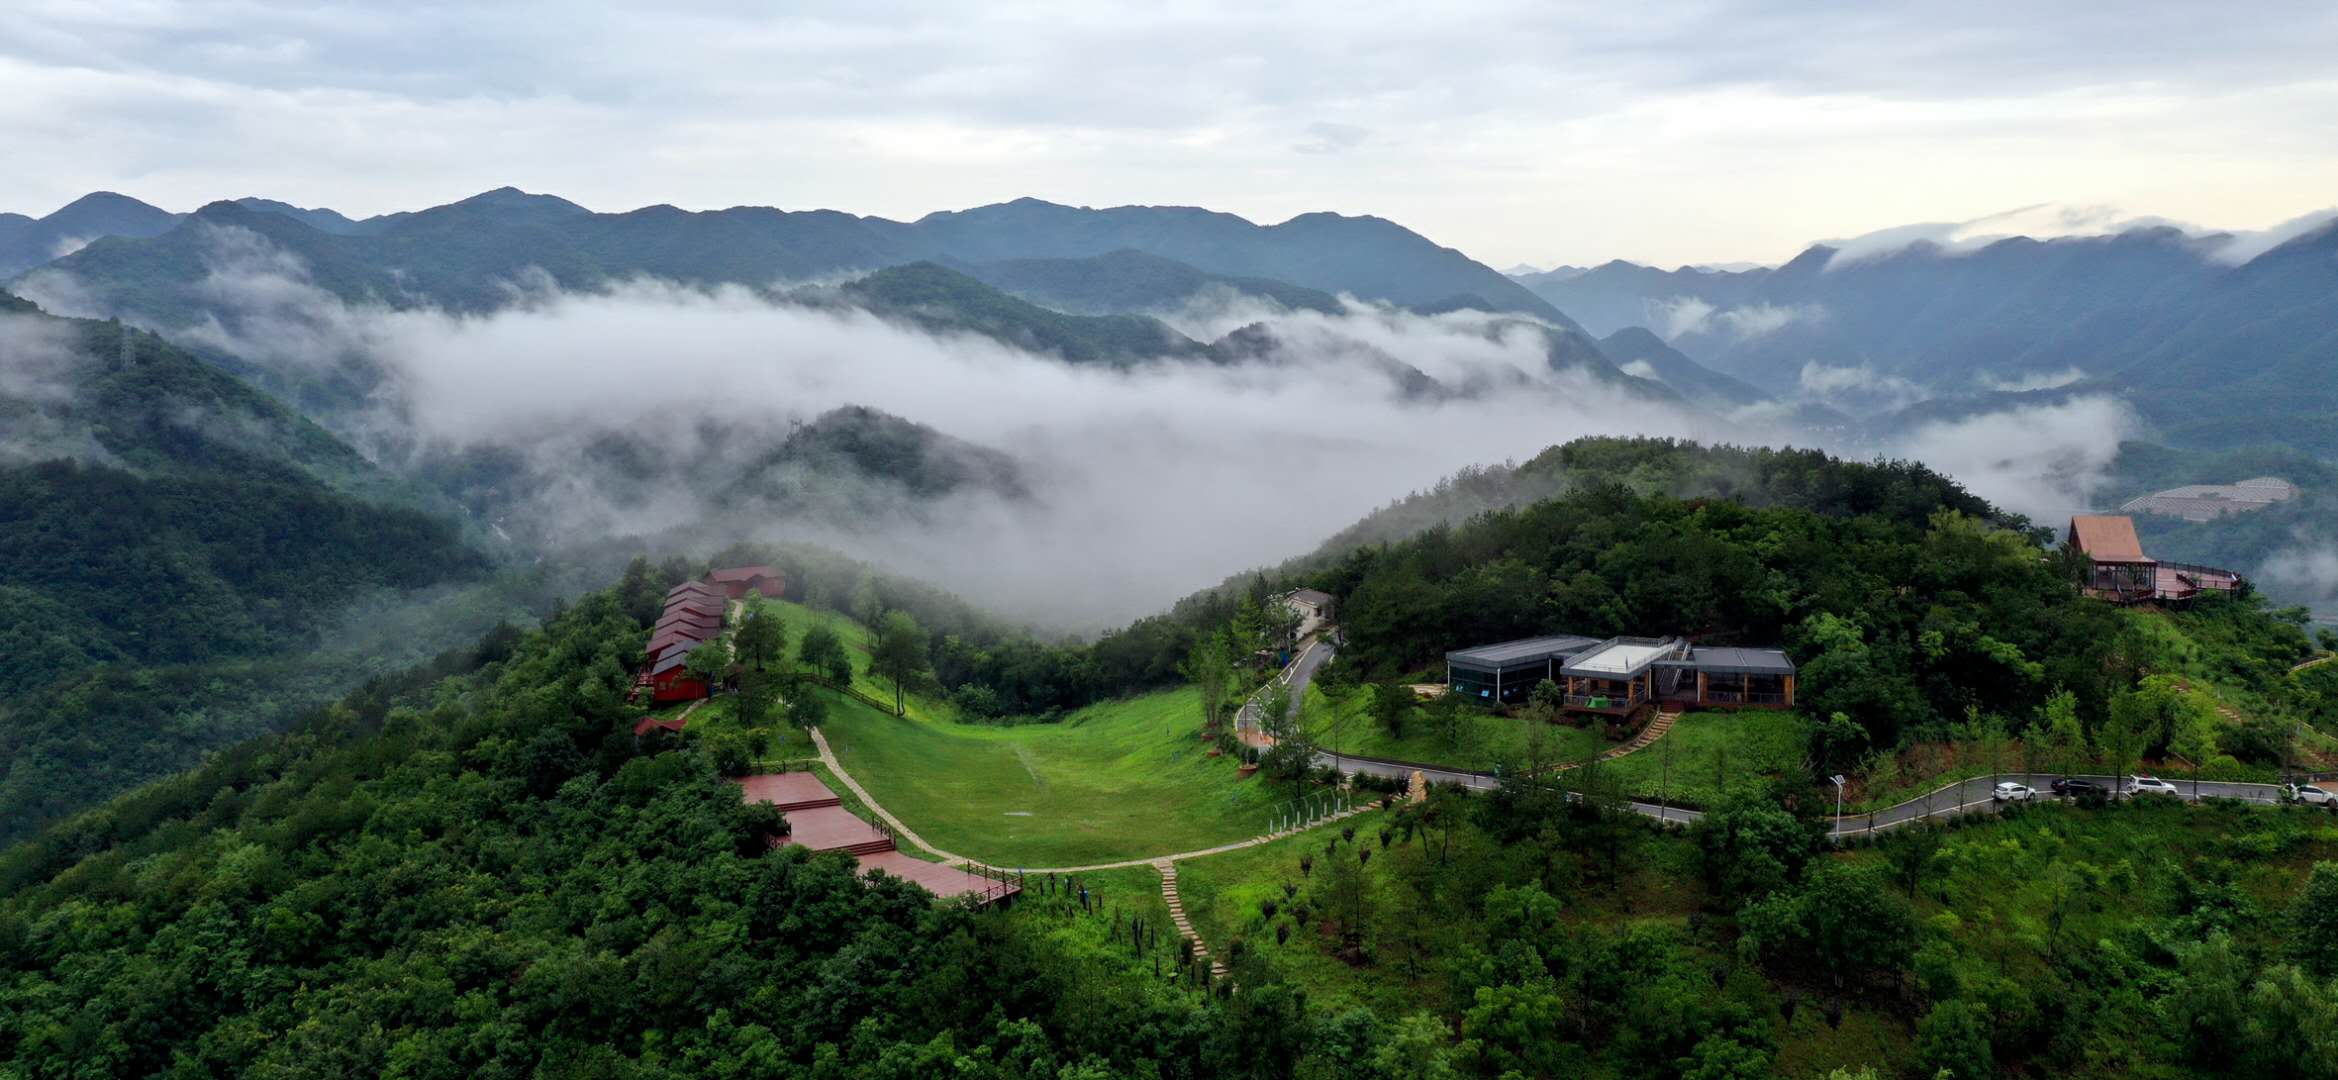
1168 869
828 758
2314 663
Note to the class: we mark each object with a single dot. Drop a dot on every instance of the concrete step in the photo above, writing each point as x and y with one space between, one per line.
870 847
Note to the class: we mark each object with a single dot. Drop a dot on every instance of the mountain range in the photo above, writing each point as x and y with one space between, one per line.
2203 348
464 255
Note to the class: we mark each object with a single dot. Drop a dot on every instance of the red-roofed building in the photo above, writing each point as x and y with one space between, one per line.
707 626
670 680
2123 574
649 724
737 581
681 638
689 588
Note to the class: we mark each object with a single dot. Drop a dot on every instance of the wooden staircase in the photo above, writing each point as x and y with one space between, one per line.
1654 730
1177 915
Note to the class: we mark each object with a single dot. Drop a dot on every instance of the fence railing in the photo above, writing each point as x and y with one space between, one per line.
1745 697
1308 811
1605 701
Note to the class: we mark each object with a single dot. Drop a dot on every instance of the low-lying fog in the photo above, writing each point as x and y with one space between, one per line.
1147 483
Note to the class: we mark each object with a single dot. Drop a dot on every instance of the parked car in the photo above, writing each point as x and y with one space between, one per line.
2151 785
2313 794
2071 787
2012 792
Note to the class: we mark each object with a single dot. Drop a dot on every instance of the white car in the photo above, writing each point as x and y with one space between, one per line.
2012 792
2310 793
2151 785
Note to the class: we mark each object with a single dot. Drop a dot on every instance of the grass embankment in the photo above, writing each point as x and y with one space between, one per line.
1712 753
1484 741
1118 780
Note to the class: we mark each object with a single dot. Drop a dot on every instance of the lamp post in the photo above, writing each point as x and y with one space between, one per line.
1837 780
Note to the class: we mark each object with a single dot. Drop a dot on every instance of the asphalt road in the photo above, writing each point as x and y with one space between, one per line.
1973 796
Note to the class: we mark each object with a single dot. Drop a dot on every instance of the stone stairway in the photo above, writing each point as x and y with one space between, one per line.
1201 949
1654 731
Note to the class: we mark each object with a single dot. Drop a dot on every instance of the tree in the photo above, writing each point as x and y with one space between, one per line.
806 709
822 653
2065 735
707 662
1392 704
761 639
899 655
2194 736
1952 1041
1210 664
2313 922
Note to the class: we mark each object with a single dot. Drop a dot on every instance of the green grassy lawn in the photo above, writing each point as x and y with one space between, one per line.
1118 780
856 640
782 741
1486 741
1712 752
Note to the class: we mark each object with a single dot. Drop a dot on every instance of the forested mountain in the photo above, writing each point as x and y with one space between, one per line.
465 255
27 242
1134 282
166 519
1693 381
937 298
2195 343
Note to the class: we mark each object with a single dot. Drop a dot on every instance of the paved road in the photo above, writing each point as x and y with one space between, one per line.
1973 796
1969 797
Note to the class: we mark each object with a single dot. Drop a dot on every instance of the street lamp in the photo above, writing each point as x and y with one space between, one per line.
1837 780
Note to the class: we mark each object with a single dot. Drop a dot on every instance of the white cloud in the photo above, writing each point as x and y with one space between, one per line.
1642 369
1761 320
2307 569
1683 315
2045 461
1857 389
2026 381
1147 483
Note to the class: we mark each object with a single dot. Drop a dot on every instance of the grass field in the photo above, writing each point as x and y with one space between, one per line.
1119 780
1486 740
1712 752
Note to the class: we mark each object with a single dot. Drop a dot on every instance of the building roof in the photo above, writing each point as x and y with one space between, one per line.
648 724
706 629
2107 538
740 573
699 587
1622 658
1735 661
1311 597
1519 653
673 659
671 636
710 605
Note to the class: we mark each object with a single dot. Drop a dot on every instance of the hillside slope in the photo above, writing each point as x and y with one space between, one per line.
165 516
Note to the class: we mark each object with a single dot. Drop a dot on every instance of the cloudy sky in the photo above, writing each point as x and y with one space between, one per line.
1538 132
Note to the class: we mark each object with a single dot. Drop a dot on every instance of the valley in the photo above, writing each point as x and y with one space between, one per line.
355 729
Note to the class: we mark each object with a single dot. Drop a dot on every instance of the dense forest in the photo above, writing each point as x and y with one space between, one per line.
172 533
475 870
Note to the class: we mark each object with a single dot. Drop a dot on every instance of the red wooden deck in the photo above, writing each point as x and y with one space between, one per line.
817 819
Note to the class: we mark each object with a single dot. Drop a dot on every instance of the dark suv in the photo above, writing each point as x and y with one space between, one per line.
2071 787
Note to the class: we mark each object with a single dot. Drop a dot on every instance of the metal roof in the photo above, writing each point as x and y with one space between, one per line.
1311 597
1519 653
2107 538
740 573
1734 661
1623 658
